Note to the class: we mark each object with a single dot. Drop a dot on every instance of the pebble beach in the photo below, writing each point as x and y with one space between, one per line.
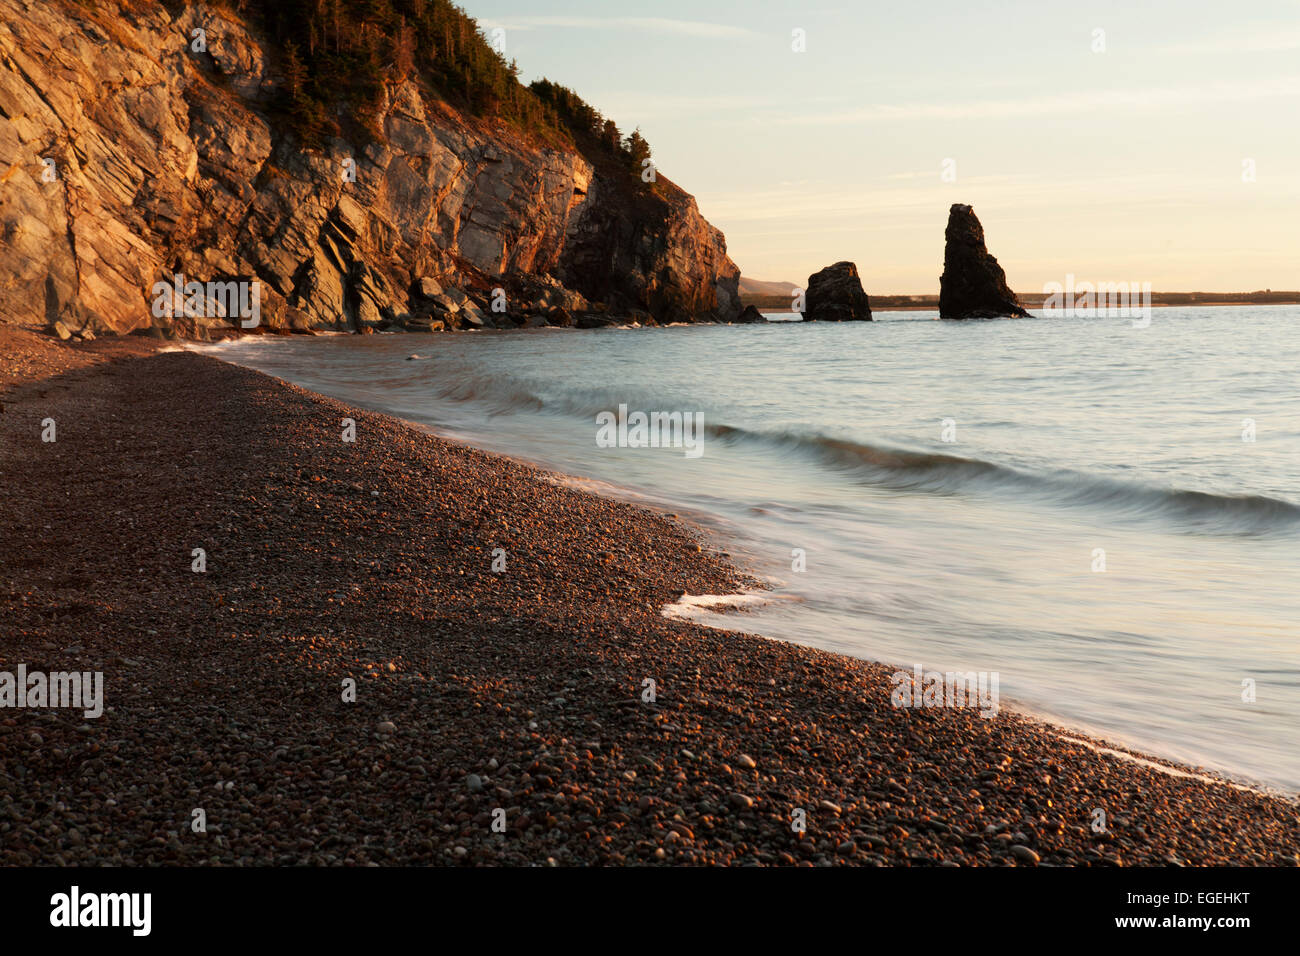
499 714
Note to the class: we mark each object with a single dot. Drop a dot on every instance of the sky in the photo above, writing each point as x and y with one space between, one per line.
1156 141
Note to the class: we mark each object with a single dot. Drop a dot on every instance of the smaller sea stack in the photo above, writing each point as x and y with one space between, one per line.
835 295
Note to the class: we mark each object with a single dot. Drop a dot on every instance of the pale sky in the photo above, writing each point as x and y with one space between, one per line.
1122 165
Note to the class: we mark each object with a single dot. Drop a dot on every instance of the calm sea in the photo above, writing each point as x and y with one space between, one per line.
1107 516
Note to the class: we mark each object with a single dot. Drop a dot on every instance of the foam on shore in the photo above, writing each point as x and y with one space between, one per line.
694 607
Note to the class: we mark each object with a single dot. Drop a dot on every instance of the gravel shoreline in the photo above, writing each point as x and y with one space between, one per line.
476 691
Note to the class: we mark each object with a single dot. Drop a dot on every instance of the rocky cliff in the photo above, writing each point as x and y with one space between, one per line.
128 156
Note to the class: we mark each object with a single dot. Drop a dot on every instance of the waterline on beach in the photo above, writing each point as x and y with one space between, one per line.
1070 503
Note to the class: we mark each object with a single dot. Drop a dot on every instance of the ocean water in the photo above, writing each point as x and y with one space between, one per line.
1106 516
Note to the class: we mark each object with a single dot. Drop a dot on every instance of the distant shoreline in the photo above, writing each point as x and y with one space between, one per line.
906 303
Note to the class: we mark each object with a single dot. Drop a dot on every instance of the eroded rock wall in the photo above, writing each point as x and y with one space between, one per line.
127 156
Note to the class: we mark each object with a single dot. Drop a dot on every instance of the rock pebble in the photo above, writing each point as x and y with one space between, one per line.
235 675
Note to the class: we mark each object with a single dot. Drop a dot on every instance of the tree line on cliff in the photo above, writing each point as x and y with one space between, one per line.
336 57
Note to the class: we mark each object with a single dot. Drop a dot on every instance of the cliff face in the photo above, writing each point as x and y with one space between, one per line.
657 254
127 157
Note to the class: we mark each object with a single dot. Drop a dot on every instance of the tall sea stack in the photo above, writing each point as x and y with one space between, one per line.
973 285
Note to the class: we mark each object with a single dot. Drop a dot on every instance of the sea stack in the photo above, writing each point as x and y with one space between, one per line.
835 295
973 285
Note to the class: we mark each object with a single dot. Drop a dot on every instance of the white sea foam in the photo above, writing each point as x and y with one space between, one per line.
1162 768
696 607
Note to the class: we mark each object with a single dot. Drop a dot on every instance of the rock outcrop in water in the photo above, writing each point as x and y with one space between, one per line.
835 295
973 285
126 158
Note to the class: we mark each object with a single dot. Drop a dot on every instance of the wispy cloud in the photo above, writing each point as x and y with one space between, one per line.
691 28
918 201
1090 101
790 111
1257 40
642 103
637 103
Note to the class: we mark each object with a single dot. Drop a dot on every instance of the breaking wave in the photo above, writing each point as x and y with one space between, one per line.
927 472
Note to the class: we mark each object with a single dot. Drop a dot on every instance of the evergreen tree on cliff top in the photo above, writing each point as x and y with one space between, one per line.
338 55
